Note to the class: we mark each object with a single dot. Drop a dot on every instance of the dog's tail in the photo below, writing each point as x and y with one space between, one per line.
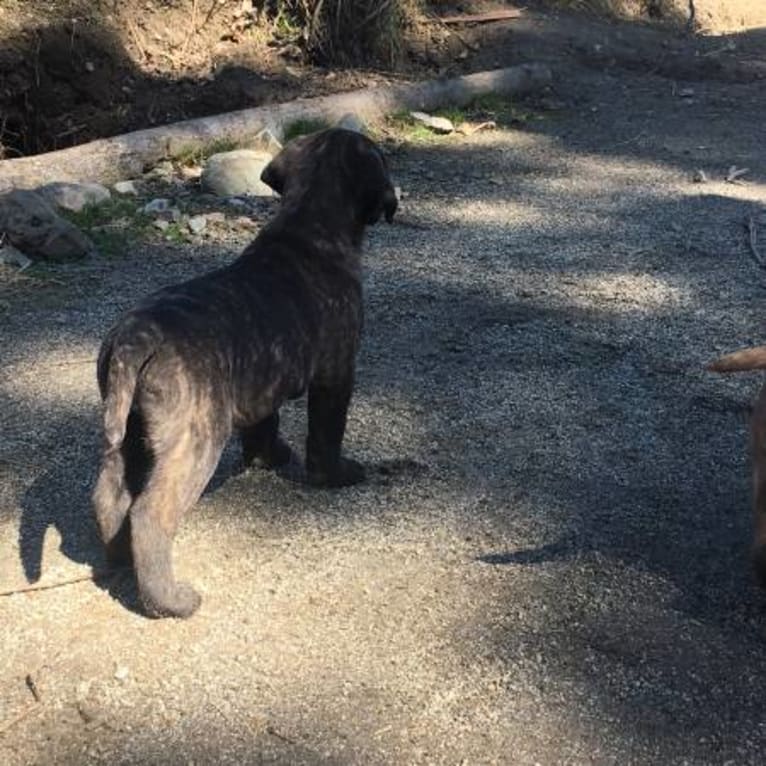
123 356
740 361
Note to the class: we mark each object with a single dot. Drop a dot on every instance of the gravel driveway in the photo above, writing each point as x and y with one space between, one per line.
549 562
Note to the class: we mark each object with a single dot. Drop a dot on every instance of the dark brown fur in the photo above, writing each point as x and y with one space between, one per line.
741 361
199 360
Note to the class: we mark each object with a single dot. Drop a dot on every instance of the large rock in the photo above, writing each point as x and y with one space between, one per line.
237 173
32 225
75 197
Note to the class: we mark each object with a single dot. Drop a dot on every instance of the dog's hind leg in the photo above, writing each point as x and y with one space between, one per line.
262 443
178 476
328 406
111 501
122 476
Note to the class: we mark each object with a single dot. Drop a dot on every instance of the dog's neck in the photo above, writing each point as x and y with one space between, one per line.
323 215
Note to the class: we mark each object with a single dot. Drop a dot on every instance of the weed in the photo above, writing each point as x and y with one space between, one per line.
196 155
303 127
112 225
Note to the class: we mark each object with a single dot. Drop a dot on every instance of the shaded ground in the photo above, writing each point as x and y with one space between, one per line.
557 575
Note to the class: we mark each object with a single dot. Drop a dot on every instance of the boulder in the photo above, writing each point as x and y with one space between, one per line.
237 173
74 197
31 224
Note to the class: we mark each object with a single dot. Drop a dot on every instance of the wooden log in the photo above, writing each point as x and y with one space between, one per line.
481 18
111 159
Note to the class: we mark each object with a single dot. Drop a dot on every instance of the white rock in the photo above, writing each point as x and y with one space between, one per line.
10 256
231 174
158 205
353 122
438 124
161 224
125 187
197 224
266 140
72 196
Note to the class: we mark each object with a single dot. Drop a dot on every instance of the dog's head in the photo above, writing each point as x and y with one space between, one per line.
342 166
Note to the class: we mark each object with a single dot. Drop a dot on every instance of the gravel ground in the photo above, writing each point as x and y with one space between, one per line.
549 565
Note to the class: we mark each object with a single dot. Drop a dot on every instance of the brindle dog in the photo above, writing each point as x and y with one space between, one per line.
222 352
739 361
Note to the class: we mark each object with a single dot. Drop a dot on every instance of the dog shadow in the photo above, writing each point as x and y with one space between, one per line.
60 499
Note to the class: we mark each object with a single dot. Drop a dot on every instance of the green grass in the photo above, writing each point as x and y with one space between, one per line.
303 127
112 225
196 155
494 107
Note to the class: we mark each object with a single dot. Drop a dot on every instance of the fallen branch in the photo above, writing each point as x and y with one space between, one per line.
481 18
59 584
11 722
112 159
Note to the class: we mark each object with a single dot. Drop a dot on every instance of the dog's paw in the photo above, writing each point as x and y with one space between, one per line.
278 455
182 601
346 473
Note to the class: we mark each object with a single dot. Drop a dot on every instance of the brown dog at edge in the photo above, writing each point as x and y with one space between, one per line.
199 360
741 361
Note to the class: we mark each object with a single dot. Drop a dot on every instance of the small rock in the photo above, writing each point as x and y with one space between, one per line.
245 222
700 177
190 172
437 124
11 256
197 224
158 205
236 173
175 214
686 92
268 142
161 224
125 187
353 122
122 673
216 217
162 171
72 196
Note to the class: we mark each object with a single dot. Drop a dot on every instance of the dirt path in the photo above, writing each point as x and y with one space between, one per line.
555 573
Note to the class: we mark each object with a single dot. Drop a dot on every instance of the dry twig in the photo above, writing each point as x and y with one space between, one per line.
50 586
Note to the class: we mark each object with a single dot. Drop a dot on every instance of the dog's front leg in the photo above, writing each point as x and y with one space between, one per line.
325 466
262 444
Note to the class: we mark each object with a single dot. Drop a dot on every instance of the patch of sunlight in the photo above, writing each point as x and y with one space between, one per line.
623 293
747 191
496 212
52 374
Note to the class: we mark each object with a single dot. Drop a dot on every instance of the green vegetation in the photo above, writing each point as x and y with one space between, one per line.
112 225
346 32
196 155
303 127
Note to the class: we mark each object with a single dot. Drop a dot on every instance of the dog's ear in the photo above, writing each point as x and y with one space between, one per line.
379 196
278 172
384 204
274 174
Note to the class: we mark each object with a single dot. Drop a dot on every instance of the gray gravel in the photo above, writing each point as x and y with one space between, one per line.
549 564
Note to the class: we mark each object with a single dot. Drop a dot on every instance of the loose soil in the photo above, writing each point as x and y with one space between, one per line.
548 563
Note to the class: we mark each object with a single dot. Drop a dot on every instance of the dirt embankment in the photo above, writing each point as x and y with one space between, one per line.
73 71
